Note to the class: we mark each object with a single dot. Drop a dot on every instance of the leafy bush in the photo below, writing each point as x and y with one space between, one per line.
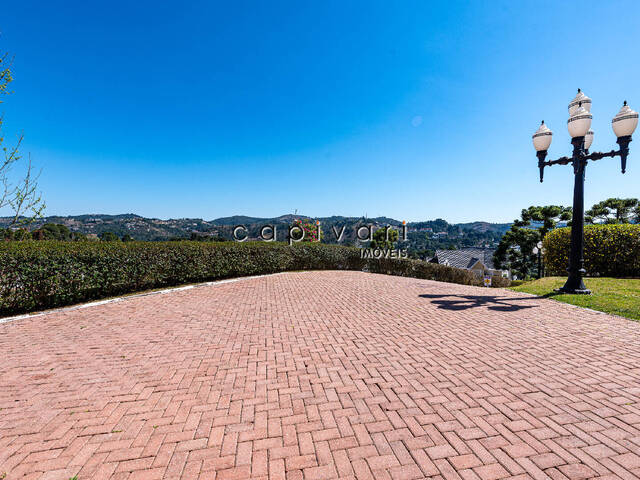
47 274
109 237
52 231
312 231
430 271
609 250
384 238
417 269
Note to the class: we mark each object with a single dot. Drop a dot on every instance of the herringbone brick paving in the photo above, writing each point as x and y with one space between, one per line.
321 375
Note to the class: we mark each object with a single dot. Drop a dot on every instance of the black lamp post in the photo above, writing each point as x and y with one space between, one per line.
537 250
624 124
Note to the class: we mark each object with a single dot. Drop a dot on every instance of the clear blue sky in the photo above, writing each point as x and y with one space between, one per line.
413 110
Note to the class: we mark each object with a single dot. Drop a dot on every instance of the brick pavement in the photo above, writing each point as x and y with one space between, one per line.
321 375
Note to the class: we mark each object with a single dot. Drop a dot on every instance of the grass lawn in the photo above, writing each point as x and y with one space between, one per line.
620 296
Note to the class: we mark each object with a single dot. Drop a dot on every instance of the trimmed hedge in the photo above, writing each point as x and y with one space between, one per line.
430 271
48 274
609 250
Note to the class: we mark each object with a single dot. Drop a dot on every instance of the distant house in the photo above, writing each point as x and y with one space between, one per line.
477 260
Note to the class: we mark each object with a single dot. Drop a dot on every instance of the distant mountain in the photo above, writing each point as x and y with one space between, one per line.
486 226
140 228
423 237
238 220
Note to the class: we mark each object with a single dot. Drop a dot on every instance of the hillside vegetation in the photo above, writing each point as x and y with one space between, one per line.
423 237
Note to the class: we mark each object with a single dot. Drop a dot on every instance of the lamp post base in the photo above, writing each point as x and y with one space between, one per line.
573 291
574 284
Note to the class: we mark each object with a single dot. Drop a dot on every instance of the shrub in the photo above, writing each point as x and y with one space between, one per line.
430 271
109 237
47 274
609 250
312 231
52 231
384 238
419 269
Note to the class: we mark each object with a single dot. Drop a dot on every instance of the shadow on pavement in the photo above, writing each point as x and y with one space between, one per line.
492 302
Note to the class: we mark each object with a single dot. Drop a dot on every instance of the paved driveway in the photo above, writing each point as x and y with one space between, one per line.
321 375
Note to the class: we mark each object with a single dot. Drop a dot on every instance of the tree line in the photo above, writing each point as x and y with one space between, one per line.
516 248
58 232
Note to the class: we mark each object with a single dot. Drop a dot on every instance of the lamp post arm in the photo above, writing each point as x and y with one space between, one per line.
600 155
622 153
542 163
559 161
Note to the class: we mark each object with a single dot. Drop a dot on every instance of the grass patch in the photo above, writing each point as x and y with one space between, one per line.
619 296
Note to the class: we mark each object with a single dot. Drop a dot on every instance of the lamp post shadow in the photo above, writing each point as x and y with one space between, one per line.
491 302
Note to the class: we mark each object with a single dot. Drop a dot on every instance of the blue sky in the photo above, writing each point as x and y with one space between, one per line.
413 110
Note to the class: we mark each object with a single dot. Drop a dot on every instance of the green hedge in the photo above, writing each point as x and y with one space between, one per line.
430 271
47 274
609 250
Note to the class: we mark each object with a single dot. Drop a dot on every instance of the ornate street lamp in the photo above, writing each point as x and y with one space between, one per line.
537 250
624 124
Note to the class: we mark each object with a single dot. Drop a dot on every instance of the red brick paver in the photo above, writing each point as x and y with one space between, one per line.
321 375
